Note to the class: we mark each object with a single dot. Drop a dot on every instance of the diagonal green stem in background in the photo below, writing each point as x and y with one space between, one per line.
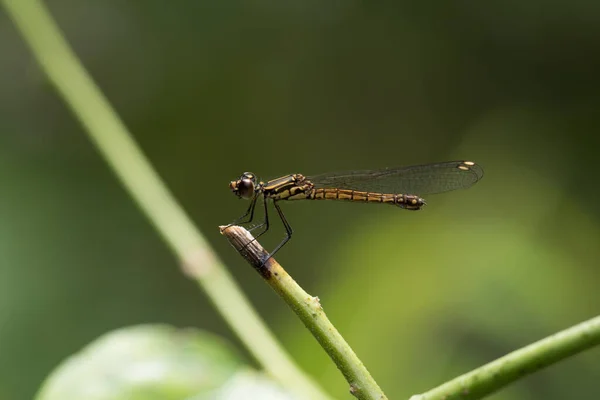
115 143
493 376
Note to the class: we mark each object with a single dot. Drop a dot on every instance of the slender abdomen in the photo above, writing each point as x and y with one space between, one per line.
407 201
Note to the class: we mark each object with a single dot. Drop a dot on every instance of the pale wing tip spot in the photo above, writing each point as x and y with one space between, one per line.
470 166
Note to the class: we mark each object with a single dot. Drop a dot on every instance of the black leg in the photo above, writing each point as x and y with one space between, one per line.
264 224
250 211
288 231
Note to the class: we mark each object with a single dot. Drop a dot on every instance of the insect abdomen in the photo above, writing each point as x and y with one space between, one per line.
407 201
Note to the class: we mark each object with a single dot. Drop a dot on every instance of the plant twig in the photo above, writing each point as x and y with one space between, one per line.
310 311
112 139
505 370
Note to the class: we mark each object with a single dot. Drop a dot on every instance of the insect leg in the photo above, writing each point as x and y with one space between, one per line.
288 231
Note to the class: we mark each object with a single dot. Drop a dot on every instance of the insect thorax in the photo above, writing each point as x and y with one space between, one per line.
292 187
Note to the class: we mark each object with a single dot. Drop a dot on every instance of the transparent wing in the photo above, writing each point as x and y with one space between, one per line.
416 179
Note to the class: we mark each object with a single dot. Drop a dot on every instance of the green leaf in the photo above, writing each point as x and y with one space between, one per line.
247 385
144 362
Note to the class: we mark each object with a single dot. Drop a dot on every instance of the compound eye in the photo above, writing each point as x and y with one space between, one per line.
246 188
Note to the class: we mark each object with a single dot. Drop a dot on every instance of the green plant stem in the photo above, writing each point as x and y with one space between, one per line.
310 312
119 149
505 370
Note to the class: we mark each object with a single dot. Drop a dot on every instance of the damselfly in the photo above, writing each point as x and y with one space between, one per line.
401 187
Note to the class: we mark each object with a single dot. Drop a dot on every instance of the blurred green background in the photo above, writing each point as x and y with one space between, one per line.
211 90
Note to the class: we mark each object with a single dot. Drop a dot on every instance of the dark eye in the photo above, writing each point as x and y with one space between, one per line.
246 188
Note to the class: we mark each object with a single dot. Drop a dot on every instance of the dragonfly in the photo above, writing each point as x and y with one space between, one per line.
400 187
